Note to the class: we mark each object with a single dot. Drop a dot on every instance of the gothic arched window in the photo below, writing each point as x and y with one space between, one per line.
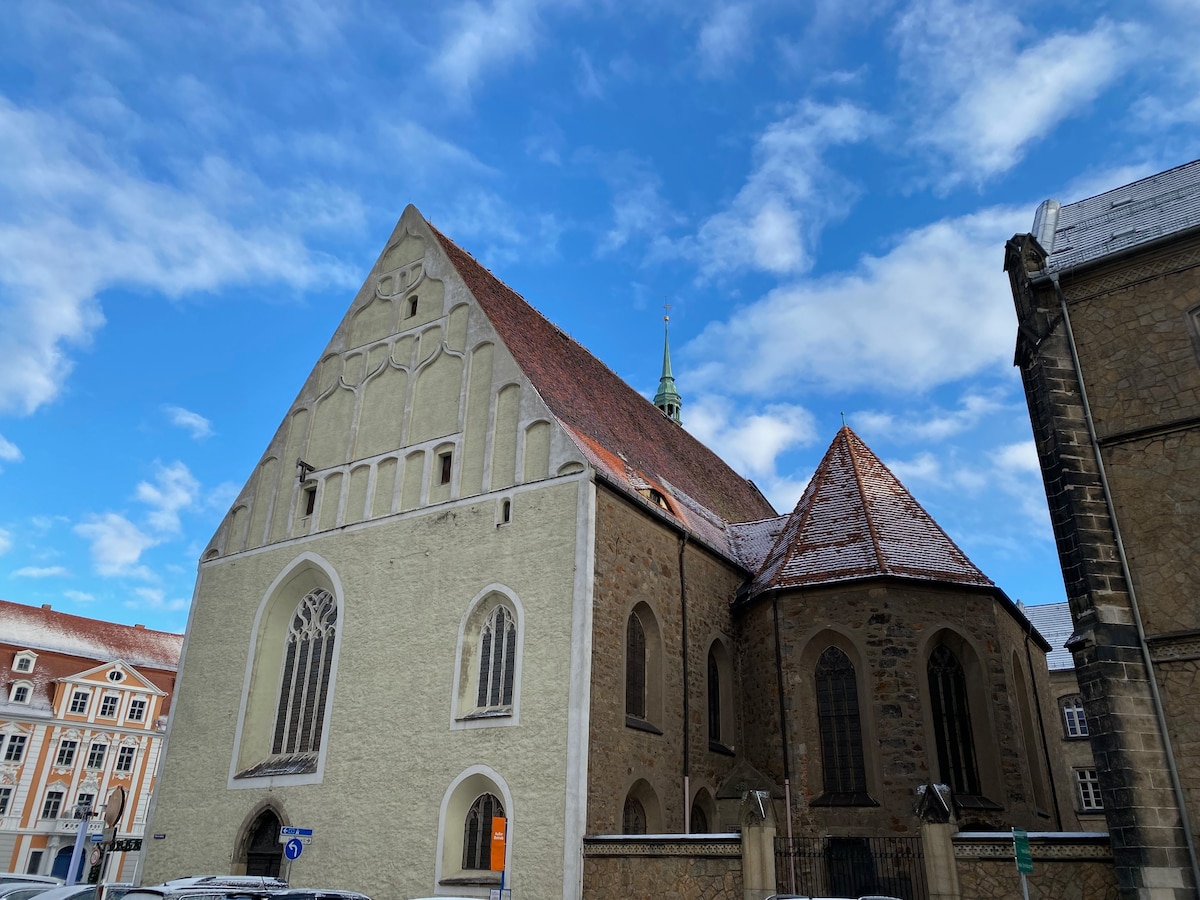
477 831
840 727
952 722
497 661
307 666
635 668
714 698
633 817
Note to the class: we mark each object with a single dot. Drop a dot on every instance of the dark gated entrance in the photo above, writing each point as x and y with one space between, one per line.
851 867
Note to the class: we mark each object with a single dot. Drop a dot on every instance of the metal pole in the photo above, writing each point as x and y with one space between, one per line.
84 814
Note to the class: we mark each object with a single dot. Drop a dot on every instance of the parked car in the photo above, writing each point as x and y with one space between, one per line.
23 890
8 877
233 887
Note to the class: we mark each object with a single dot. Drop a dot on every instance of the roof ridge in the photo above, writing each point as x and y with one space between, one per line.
868 516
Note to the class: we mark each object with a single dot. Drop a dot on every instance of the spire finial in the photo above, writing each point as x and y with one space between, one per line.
667 399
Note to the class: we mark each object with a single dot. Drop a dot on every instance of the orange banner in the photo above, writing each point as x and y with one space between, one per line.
499 832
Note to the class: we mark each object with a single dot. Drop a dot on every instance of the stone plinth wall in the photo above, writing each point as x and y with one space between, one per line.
674 867
1065 867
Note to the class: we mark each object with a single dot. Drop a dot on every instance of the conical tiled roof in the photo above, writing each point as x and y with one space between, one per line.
856 520
630 442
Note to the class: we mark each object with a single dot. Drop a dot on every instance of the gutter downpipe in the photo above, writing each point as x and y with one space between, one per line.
1156 698
687 722
783 734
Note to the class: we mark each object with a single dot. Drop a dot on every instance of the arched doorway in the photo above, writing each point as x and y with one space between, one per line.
264 853
62 861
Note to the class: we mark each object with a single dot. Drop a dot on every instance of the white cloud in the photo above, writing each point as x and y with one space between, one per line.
60 190
195 423
117 545
9 452
726 37
933 310
752 441
789 196
41 572
484 36
156 599
175 489
985 87
935 425
79 596
5 541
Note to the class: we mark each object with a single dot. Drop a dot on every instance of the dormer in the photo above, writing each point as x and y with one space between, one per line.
24 662
21 692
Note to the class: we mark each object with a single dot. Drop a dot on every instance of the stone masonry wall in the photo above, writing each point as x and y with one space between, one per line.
1129 321
668 869
638 560
1062 870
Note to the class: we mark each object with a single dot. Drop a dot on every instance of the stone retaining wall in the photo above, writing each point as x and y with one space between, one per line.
1065 867
673 867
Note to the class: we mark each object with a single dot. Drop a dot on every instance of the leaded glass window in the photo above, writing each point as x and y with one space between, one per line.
497 660
840 726
714 698
952 722
477 832
307 664
635 668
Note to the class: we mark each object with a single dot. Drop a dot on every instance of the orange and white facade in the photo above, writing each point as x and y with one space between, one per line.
83 707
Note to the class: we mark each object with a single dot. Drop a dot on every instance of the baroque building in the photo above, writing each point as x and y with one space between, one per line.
1108 308
475 576
82 713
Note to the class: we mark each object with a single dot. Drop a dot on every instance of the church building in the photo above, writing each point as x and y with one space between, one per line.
475 577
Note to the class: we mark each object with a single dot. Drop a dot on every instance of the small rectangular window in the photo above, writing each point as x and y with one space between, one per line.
125 759
24 664
1088 785
447 461
108 706
15 751
412 307
95 758
52 805
137 710
66 753
1074 723
84 802
310 500
5 799
20 694
35 862
79 702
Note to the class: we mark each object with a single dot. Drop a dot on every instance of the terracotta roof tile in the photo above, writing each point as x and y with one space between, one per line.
856 520
42 628
625 437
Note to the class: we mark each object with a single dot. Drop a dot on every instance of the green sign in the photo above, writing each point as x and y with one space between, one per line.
1021 850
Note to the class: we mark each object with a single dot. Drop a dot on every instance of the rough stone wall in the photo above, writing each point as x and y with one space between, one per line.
663 869
888 625
1130 321
1062 870
638 560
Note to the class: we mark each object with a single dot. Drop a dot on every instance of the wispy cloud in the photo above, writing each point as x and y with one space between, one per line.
79 596
117 545
933 425
931 311
5 541
60 187
985 87
156 599
789 196
174 489
725 38
481 37
195 423
42 572
9 452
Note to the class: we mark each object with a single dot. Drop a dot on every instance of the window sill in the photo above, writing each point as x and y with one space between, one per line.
503 713
844 798
640 725
975 801
472 878
718 747
296 764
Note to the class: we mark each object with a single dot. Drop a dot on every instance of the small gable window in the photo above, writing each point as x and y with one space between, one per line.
22 692
108 706
23 662
116 676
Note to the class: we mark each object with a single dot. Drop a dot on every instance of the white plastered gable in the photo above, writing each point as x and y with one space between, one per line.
415 402
117 676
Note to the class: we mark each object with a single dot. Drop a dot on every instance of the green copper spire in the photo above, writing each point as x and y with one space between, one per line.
667 399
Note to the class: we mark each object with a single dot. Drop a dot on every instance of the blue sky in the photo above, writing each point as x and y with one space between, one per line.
821 191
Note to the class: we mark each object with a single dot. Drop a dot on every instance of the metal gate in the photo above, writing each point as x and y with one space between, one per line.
851 867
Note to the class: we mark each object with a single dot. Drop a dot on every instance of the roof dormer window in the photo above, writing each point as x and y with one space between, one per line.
656 497
22 692
24 661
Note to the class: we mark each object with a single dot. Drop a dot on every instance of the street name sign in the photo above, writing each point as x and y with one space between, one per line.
290 832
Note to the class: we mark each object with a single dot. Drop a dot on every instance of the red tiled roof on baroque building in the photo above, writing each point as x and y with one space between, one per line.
44 629
624 436
856 520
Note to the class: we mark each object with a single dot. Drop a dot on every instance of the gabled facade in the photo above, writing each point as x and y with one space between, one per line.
1108 344
475 575
84 708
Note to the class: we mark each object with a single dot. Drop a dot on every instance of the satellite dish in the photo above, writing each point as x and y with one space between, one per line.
115 807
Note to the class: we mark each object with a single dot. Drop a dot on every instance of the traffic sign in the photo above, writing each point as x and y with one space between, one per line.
1021 850
293 848
288 832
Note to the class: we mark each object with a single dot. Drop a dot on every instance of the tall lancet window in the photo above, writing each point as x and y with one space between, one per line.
840 727
307 666
635 668
497 661
952 722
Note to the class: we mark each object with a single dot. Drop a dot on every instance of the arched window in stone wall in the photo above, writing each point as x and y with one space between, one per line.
842 764
307 665
635 668
952 722
633 817
477 831
487 680
643 669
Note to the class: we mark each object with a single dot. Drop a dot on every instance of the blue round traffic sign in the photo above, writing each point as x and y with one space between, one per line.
293 848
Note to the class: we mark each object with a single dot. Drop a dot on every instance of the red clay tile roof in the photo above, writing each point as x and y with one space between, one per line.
41 628
626 438
856 520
